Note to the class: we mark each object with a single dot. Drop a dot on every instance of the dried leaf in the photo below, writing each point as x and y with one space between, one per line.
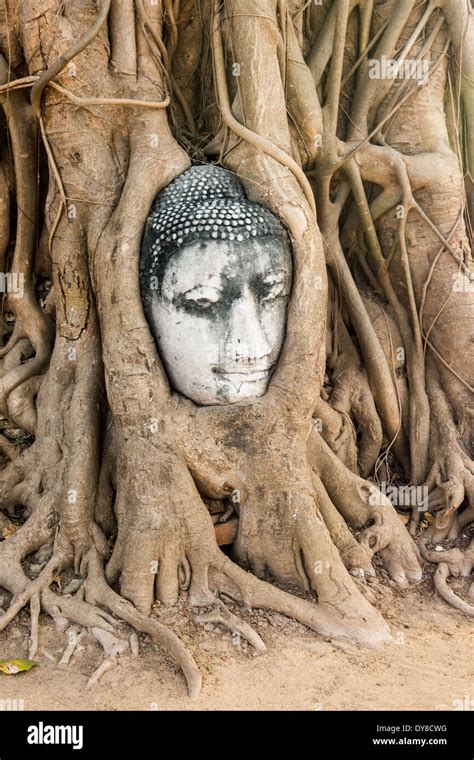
12 667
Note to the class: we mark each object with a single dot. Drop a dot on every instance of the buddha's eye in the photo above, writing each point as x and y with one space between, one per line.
202 298
273 291
204 303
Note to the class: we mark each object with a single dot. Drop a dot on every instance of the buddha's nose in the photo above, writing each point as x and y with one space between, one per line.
245 340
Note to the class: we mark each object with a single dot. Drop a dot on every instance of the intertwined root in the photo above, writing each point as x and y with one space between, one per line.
366 509
87 607
173 530
90 603
221 615
453 562
450 484
341 610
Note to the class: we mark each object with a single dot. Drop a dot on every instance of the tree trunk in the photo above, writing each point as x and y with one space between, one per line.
115 475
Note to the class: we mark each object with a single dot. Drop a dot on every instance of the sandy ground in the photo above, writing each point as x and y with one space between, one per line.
429 667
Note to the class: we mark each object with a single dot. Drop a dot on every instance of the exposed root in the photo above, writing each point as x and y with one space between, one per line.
134 644
221 615
98 590
258 141
440 580
35 608
113 648
363 506
107 664
65 610
344 618
57 66
451 562
31 591
351 395
357 557
74 635
450 483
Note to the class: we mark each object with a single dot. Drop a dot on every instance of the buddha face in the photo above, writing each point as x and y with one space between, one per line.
219 317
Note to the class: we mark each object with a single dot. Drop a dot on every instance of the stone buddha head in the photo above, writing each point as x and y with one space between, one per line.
215 272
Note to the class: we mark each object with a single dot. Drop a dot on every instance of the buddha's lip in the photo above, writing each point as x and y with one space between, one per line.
248 372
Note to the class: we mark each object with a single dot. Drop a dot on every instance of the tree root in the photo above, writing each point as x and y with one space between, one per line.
221 615
74 636
342 619
73 609
451 562
107 664
98 591
356 556
57 66
352 396
31 592
440 580
66 610
450 480
35 607
364 507
113 648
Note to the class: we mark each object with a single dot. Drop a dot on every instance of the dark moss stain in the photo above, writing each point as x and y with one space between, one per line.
242 437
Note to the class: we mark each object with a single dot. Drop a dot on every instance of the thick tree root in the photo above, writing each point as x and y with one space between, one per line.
345 617
365 507
87 607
